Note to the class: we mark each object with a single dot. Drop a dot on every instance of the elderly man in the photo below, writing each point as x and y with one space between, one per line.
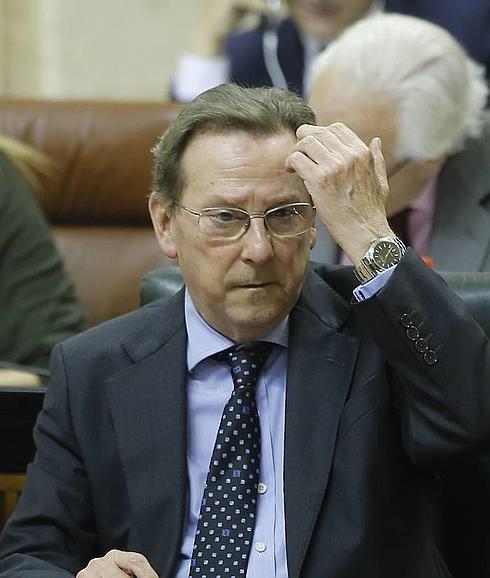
409 82
268 420
279 51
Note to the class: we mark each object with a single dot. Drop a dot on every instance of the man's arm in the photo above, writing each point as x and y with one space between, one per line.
445 374
441 359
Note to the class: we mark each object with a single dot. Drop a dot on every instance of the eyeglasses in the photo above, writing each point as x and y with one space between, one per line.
231 223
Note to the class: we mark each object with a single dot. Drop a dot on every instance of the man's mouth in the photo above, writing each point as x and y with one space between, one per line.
260 285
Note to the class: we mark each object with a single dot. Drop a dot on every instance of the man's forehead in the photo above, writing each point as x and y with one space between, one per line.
215 145
230 134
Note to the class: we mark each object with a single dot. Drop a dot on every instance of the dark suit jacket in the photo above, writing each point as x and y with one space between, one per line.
364 438
469 22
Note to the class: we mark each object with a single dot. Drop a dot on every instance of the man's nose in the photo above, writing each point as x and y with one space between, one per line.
256 242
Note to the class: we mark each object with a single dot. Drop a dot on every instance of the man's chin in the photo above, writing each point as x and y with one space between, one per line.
253 322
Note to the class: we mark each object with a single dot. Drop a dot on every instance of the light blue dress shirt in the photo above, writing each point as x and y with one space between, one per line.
209 387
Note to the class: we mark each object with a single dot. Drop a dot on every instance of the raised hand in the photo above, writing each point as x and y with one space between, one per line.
347 182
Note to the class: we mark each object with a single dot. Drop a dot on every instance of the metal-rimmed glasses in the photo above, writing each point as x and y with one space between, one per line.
232 223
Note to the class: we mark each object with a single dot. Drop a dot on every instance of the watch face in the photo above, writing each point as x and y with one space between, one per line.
386 254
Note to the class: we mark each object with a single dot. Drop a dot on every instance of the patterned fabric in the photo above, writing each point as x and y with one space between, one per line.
227 517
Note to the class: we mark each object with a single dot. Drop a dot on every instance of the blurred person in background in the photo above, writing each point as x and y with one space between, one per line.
38 306
411 83
279 51
220 53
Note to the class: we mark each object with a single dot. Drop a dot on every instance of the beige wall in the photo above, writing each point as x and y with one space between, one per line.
101 49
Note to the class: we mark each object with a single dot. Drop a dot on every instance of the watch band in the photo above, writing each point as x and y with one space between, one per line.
373 264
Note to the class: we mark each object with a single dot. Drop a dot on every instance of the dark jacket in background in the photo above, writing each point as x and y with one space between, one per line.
38 307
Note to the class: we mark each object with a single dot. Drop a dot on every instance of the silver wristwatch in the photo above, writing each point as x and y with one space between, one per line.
382 254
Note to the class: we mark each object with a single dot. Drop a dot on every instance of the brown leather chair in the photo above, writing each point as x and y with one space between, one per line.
96 198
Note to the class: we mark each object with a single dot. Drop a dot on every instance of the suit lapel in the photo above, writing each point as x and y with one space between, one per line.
148 406
314 402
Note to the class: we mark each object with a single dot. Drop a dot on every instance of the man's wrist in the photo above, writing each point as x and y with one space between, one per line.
382 254
357 245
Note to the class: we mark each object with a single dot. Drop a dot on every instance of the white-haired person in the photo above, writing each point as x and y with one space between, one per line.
411 83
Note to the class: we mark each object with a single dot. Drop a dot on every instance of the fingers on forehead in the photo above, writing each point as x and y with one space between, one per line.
299 161
307 129
347 136
335 131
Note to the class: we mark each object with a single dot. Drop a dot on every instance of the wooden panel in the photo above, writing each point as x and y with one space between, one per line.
11 486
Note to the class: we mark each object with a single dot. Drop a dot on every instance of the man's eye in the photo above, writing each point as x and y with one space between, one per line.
223 216
284 213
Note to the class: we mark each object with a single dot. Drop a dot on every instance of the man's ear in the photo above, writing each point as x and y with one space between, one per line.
313 237
162 220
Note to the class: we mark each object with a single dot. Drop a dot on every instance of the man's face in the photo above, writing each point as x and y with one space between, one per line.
369 117
324 19
244 287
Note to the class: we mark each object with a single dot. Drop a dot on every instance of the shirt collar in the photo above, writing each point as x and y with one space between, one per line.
204 341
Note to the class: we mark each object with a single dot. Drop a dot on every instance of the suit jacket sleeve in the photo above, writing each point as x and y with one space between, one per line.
54 517
445 400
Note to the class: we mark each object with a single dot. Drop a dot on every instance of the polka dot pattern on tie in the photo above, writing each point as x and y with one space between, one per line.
227 516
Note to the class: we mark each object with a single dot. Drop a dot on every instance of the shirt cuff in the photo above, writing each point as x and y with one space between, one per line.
195 74
369 289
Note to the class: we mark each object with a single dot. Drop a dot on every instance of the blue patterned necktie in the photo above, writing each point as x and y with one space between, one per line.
227 517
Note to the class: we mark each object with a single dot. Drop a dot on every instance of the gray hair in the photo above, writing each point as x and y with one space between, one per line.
438 91
225 108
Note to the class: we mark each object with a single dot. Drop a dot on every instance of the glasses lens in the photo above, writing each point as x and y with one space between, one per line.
222 223
290 220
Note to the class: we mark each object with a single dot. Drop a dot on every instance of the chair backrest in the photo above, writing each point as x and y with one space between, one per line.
96 200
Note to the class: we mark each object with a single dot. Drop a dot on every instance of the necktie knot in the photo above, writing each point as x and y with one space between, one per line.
246 361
